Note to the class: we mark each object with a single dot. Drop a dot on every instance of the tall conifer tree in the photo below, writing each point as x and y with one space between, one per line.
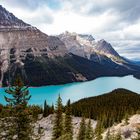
89 131
45 111
82 130
20 124
68 121
58 120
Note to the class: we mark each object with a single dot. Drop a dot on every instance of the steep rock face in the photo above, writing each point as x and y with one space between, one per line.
8 19
20 46
104 47
73 46
86 46
43 59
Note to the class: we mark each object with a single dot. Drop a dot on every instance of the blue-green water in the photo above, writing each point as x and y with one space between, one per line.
76 91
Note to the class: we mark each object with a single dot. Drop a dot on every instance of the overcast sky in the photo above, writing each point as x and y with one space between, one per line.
117 21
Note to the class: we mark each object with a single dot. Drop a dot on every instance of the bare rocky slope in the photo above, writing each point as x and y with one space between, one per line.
128 131
44 60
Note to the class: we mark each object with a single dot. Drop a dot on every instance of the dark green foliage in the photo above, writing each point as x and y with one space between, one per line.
82 130
89 131
98 130
126 119
34 111
52 109
108 108
58 121
42 70
6 111
18 123
68 121
47 109
21 120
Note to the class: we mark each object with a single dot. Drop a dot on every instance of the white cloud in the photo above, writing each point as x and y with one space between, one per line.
127 48
132 31
73 22
112 20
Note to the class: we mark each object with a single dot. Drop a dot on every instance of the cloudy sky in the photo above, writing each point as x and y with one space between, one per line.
117 21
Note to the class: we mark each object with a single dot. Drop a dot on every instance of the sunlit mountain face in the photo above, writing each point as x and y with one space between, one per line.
117 22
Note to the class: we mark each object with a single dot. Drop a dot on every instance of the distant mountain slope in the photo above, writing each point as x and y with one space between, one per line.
43 59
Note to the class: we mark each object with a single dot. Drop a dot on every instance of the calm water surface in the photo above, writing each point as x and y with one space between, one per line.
76 91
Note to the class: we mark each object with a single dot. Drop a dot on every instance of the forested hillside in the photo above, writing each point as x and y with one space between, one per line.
108 108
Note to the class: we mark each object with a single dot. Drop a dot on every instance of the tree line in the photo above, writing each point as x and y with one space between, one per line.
17 118
109 108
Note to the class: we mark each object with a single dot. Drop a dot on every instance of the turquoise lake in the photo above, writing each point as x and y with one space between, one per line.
76 91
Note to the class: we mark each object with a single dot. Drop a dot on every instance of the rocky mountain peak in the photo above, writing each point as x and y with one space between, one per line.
7 19
75 35
85 45
104 47
87 37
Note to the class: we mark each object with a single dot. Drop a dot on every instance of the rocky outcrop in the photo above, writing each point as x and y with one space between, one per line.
18 46
47 125
86 46
127 131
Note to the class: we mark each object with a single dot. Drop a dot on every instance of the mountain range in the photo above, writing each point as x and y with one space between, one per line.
45 60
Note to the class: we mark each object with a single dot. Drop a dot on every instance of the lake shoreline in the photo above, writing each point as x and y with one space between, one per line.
74 82
79 90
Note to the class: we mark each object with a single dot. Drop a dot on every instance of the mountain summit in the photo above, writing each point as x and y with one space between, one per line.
7 19
104 47
43 59
86 46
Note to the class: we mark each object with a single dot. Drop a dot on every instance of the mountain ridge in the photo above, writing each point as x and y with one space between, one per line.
43 60
8 19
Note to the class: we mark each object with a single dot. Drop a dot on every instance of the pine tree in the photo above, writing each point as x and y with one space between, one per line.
82 130
19 125
89 131
126 119
99 130
18 101
68 121
58 121
45 111
52 109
